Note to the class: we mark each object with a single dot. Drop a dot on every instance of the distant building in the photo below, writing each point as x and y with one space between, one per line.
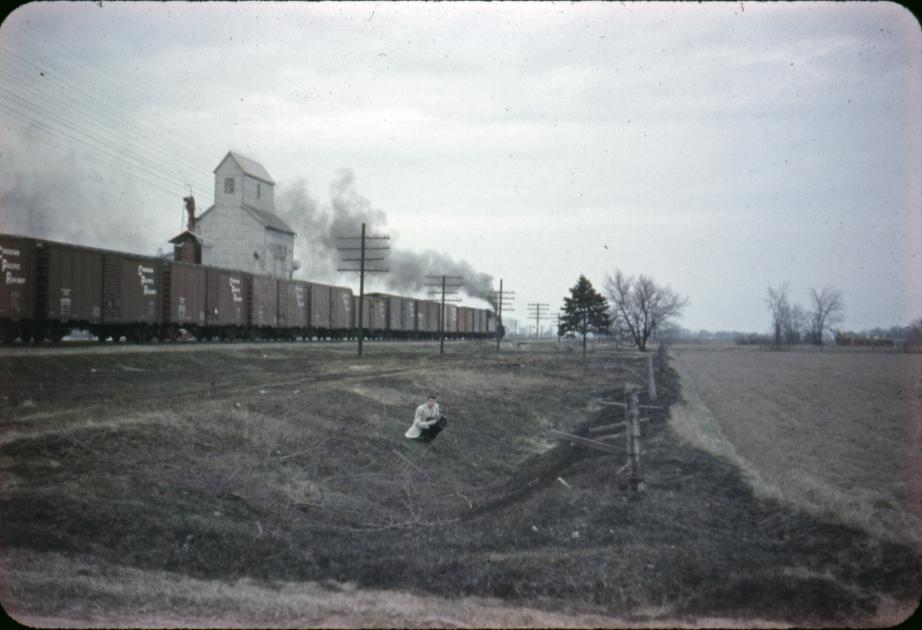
241 230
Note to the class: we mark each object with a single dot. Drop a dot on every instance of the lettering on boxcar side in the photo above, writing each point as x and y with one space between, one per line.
235 289
148 284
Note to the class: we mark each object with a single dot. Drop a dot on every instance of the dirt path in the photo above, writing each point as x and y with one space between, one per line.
833 432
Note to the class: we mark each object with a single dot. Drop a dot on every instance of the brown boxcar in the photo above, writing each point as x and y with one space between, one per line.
74 283
465 320
374 312
131 289
183 295
265 302
491 322
17 282
293 301
451 319
341 309
394 316
408 317
320 313
434 309
226 298
394 313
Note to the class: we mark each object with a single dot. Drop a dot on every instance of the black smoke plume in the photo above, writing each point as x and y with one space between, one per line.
319 226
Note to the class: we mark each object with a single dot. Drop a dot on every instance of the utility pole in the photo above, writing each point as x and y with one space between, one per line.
362 270
501 299
536 310
449 289
557 316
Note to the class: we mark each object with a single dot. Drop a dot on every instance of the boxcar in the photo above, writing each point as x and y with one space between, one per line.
71 282
374 314
320 309
264 305
451 319
491 323
293 299
131 297
226 299
480 321
341 310
408 317
432 316
395 314
465 321
183 298
17 286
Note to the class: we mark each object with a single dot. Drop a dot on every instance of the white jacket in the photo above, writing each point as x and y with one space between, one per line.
425 417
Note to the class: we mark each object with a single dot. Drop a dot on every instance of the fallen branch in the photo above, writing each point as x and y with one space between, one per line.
401 456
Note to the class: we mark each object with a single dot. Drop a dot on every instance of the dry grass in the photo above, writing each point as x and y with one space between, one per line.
272 487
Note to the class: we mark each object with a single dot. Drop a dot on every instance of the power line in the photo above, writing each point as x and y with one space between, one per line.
103 78
81 135
105 133
170 187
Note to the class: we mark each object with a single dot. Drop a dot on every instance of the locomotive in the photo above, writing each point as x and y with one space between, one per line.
49 288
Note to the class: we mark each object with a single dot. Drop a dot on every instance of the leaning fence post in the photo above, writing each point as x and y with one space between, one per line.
651 385
632 435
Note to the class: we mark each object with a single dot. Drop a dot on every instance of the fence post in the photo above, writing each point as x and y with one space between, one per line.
632 435
661 358
651 384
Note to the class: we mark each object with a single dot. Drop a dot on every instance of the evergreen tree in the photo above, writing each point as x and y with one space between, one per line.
585 311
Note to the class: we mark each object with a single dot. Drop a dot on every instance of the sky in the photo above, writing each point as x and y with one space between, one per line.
719 147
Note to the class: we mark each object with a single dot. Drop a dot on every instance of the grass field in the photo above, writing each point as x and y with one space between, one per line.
270 485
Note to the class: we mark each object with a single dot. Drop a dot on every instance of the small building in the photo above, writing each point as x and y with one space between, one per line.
241 230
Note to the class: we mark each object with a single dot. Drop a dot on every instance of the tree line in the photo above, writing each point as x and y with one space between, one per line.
639 309
792 324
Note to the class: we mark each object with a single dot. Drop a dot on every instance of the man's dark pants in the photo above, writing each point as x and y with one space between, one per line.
429 433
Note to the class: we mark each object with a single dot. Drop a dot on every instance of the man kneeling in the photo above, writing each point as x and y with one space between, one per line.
427 423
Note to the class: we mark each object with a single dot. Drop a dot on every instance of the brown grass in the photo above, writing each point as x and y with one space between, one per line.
271 486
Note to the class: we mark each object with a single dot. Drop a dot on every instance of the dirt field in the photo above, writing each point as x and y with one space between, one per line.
270 485
837 433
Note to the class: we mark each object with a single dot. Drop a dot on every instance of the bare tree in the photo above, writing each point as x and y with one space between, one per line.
828 309
796 324
643 307
780 308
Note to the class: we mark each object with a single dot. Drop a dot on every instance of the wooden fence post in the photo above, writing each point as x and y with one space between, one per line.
632 436
661 358
651 379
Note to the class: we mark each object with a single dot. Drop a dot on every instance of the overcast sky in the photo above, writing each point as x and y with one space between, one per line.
719 147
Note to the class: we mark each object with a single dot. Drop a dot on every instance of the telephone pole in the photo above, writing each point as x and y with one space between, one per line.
362 270
501 299
557 318
446 289
536 310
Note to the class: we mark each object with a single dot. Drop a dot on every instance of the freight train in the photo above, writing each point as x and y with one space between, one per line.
49 288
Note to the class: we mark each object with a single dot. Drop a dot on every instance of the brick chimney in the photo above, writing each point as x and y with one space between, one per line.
190 209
